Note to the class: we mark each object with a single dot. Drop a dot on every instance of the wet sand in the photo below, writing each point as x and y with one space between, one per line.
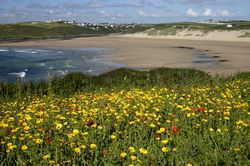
228 57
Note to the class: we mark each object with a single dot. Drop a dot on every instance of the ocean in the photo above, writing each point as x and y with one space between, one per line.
37 64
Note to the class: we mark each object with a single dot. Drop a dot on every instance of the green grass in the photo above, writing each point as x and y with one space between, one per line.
158 117
75 82
43 30
169 28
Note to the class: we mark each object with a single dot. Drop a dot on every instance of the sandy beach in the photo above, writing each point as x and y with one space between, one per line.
221 57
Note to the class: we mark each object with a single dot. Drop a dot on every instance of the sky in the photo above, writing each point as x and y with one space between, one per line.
123 11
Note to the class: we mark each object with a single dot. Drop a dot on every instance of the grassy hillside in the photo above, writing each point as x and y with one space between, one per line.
126 117
42 30
173 28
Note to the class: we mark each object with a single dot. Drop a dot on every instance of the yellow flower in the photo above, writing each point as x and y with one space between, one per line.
162 129
113 137
9 144
46 156
75 131
52 162
123 154
237 149
38 141
143 151
24 147
77 150
164 149
11 147
133 157
70 135
132 149
92 146
26 128
174 149
218 130
189 164
59 126
165 141
152 125
211 129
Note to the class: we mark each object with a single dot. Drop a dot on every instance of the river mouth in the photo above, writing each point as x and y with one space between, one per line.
203 57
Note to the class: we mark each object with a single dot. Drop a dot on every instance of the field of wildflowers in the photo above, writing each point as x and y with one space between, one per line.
203 124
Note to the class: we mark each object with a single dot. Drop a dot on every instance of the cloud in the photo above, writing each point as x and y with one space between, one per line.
195 2
90 5
34 5
192 13
224 13
143 14
95 5
208 12
104 14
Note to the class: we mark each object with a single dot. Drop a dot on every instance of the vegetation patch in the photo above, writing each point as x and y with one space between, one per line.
127 117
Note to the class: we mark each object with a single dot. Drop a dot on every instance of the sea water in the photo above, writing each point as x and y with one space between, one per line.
36 64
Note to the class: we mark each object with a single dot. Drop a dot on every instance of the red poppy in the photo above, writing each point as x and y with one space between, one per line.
202 109
49 140
91 122
157 135
174 129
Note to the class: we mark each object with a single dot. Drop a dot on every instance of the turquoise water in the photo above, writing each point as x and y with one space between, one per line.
36 64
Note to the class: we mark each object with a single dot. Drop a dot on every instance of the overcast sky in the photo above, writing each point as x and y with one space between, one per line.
123 11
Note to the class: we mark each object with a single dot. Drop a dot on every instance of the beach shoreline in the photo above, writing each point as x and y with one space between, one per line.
152 52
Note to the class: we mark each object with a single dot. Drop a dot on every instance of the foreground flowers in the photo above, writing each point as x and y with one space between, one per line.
152 127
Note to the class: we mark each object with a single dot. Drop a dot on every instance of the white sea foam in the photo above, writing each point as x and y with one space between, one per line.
3 50
61 72
21 51
42 64
30 51
18 74
39 50
67 63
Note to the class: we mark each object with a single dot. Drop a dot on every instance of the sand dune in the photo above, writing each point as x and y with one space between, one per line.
198 35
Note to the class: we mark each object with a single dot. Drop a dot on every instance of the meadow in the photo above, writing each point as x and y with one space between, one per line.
43 30
127 117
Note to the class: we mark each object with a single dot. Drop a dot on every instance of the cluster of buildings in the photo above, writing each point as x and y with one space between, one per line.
217 22
95 26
